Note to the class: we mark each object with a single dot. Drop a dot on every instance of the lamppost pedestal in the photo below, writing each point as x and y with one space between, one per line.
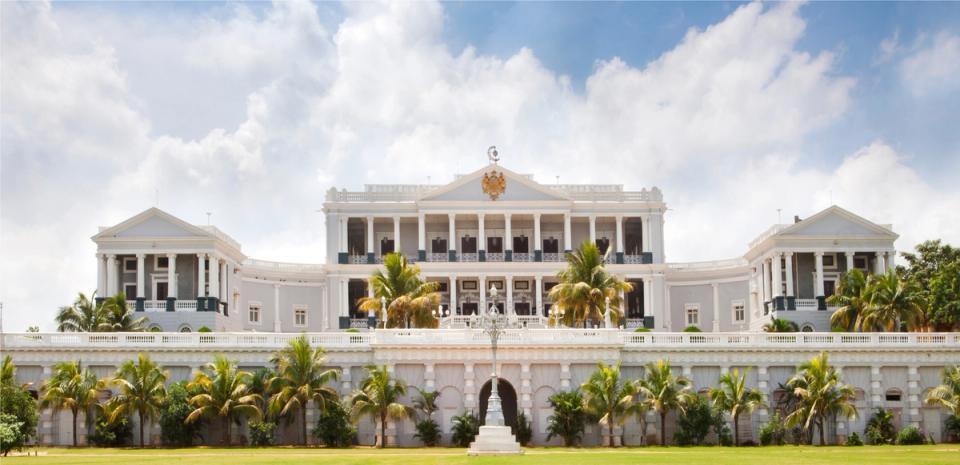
494 440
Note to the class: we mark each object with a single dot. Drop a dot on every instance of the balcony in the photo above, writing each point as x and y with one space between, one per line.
495 257
551 257
523 257
438 257
469 257
161 305
642 259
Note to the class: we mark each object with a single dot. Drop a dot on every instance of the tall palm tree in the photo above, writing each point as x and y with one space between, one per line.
379 398
948 393
260 385
8 372
141 388
780 325
850 299
409 298
821 396
85 315
607 398
300 378
118 316
733 397
73 388
222 393
663 392
426 405
892 301
585 286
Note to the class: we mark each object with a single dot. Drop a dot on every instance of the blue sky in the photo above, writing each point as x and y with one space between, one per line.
252 111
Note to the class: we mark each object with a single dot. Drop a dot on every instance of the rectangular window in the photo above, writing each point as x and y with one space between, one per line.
468 285
300 315
162 291
495 244
860 262
497 284
551 245
693 314
253 316
130 290
603 244
830 261
468 244
521 285
161 262
442 286
739 311
130 264
521 244
438 245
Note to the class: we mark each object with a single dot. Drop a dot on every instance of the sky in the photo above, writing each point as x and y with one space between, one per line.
251 111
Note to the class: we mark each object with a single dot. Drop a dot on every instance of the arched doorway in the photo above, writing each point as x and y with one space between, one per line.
508 399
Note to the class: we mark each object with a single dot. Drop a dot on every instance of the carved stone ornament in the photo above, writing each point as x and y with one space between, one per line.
494 184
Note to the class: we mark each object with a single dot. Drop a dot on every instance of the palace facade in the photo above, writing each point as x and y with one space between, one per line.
497 228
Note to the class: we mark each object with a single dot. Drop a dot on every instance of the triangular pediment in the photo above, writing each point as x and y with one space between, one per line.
835 221
516 187
153 223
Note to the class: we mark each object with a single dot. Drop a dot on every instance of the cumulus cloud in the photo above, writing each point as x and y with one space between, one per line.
934 67
252 115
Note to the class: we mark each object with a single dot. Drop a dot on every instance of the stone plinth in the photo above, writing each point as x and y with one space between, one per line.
494 440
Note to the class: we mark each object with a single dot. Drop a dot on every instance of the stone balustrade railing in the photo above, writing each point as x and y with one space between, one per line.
364 340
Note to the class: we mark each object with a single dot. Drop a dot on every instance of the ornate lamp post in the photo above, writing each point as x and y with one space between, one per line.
492 324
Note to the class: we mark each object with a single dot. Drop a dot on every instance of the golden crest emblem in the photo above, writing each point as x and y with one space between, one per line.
494 184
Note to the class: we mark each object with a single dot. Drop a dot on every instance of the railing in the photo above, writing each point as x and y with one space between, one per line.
768 233
357 259
495 257
710 265
438 257
464 336
633 259
284 267
359 323
551 257
411 192
522 257
806 305
634 323
468 257
470 321
221 235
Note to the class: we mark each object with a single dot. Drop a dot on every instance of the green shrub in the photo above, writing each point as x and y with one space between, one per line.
523 430
692 329
204 329
351 330
773 432
465 428
952 427
880 429
262 433
174 431
695 422
568 417
642 330
854 440
110 434
333 427
21 410
428 432
724 434
155 329
910 436
10 436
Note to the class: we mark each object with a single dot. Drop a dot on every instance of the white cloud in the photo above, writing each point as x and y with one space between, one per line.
93 130
934 67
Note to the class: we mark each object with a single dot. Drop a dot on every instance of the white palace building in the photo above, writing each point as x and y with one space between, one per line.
498 228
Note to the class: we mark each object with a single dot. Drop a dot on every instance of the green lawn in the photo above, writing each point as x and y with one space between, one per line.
935 454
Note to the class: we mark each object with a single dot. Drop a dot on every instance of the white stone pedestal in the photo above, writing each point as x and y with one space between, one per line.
494 440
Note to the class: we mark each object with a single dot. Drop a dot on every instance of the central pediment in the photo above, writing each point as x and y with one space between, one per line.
494 183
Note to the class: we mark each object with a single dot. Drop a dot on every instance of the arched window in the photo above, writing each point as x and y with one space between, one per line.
807 328
185 329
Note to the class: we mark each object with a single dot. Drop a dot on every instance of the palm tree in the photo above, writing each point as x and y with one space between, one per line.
850 299
141 389
779 325
607 398
260 385
947 394
585 286
224 393
379 398
118 316
409 298
663 392
821 395
8 372
732 396
426 405
73 388
892 301
85 315
300 378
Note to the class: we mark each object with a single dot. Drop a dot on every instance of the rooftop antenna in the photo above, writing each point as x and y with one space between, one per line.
778 216
208 218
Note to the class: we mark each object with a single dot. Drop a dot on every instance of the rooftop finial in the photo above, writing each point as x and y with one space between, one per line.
493 154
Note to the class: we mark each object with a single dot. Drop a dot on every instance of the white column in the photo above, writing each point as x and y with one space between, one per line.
141 276
878 264
344 299
201 275
172 275
508 283
224 274
396 235
371 248
716 307
101 275
818 277
620 234
646 242
342 246
777 276
453 294
214 276
765 281
538 295
789 263
421 232
483 293
593 229
890 260
276 308
111 275
537 243
566 232
481 233
508 233
647 299
452 241
849 260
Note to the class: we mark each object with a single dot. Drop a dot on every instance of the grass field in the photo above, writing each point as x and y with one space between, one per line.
934 454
